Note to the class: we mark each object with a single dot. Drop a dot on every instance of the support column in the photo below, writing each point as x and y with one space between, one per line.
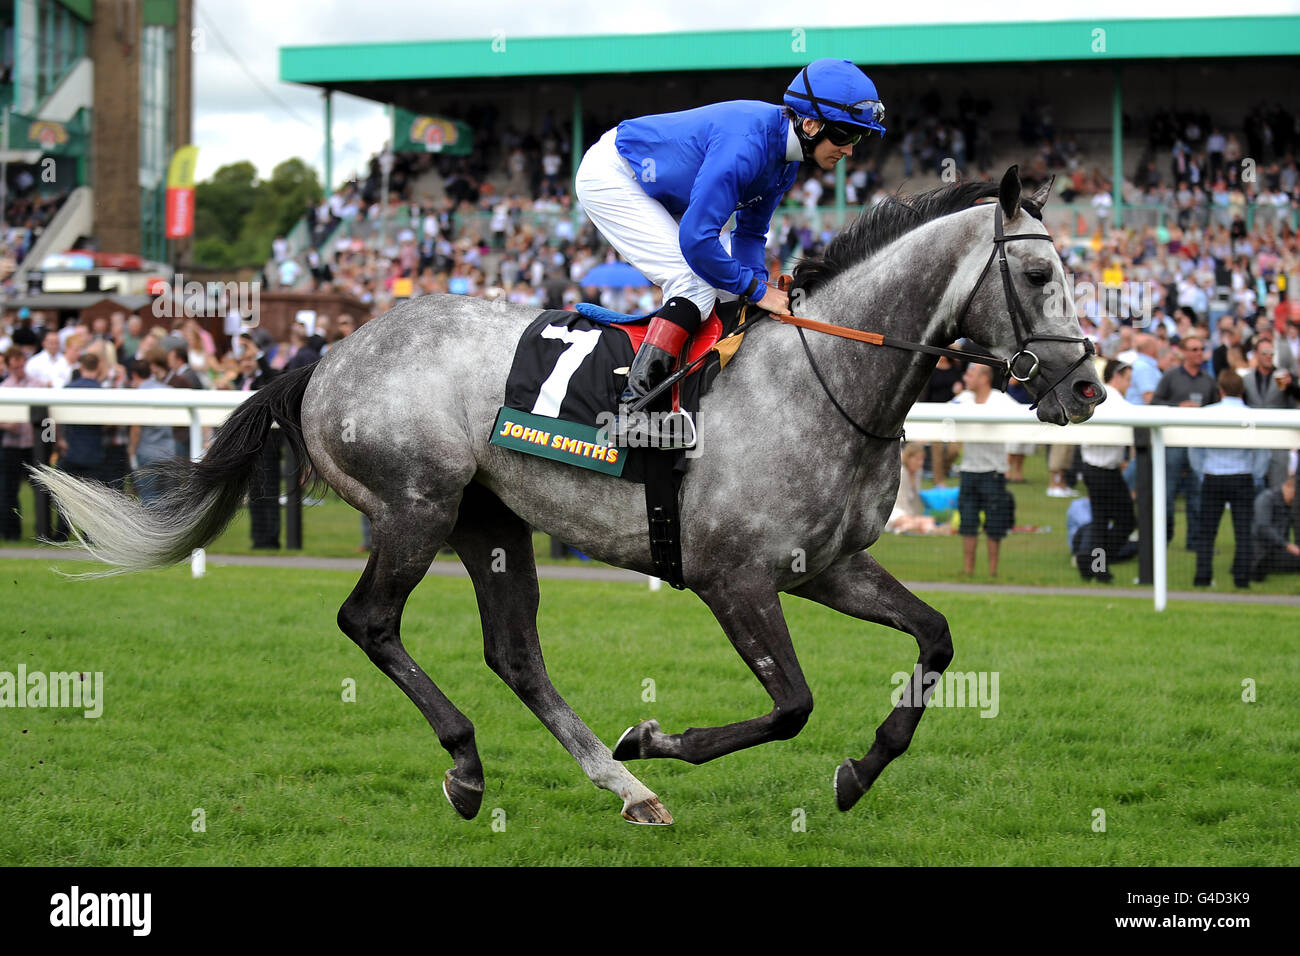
115 130
1117 147
181 250
329 141
575 156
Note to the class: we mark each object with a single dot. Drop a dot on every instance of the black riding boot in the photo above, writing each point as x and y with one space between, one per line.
651 366
653 363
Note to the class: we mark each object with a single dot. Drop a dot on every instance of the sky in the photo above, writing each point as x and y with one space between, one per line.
243 111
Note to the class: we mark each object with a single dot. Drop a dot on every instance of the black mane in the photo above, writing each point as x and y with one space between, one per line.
886 221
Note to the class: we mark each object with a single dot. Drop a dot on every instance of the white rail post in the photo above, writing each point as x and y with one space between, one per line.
1159 545
198 560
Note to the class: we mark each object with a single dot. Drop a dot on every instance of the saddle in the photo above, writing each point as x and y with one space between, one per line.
721 321
569 370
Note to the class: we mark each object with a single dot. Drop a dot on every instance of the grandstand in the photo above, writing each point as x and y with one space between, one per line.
1100 104
97 97
996 72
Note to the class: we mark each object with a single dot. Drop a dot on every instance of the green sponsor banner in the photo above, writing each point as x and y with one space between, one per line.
557 440
430 134
52 138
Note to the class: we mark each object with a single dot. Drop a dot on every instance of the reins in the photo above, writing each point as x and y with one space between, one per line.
1003 368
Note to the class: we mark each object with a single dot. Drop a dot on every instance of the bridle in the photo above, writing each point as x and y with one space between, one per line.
1016 312
1003 369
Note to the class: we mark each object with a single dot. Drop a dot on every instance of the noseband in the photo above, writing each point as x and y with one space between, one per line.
1024 365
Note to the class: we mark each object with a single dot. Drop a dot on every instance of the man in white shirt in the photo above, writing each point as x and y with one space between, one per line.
48 367
1228 478
1102 204
812 194
1113 518
1214 147
983 472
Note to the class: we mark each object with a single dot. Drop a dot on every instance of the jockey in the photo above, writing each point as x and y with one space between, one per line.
661 189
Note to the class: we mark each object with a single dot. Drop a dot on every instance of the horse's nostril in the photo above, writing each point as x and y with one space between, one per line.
1088 393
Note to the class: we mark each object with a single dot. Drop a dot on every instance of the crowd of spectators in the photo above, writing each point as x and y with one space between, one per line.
1182 317
1197 166
526 251
25 217
126 351
1200 172
502 222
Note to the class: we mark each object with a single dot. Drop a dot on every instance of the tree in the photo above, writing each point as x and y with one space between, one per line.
222 203
237 215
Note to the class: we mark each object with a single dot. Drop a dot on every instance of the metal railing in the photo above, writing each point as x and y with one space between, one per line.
62 406
1209 427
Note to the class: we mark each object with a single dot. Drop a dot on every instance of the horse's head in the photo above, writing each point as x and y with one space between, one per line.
1020 310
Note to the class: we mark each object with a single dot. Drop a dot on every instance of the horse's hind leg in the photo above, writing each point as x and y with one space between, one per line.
496 547
402 549
750 614
858 586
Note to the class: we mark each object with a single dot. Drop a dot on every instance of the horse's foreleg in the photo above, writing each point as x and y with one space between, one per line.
496 547
752 620
401 554
858 586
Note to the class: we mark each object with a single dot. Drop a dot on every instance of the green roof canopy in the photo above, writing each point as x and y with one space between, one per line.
932 44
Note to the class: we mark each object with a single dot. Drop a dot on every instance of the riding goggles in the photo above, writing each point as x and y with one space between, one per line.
845 135
870 110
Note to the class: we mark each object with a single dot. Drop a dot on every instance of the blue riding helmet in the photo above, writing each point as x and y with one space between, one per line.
839 94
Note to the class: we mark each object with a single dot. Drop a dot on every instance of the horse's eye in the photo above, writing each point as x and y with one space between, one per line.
1038 276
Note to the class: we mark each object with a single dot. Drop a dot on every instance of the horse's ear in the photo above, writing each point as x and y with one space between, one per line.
1043 192
1009 193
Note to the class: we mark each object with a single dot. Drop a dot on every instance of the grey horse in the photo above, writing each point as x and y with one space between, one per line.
397 419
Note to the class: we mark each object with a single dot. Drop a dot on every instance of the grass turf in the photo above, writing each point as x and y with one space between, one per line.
225 694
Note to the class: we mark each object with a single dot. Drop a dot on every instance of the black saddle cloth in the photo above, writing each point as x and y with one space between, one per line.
564 368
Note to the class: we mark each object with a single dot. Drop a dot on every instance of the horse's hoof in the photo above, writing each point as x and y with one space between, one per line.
848 786
648 813
629 744
464 799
